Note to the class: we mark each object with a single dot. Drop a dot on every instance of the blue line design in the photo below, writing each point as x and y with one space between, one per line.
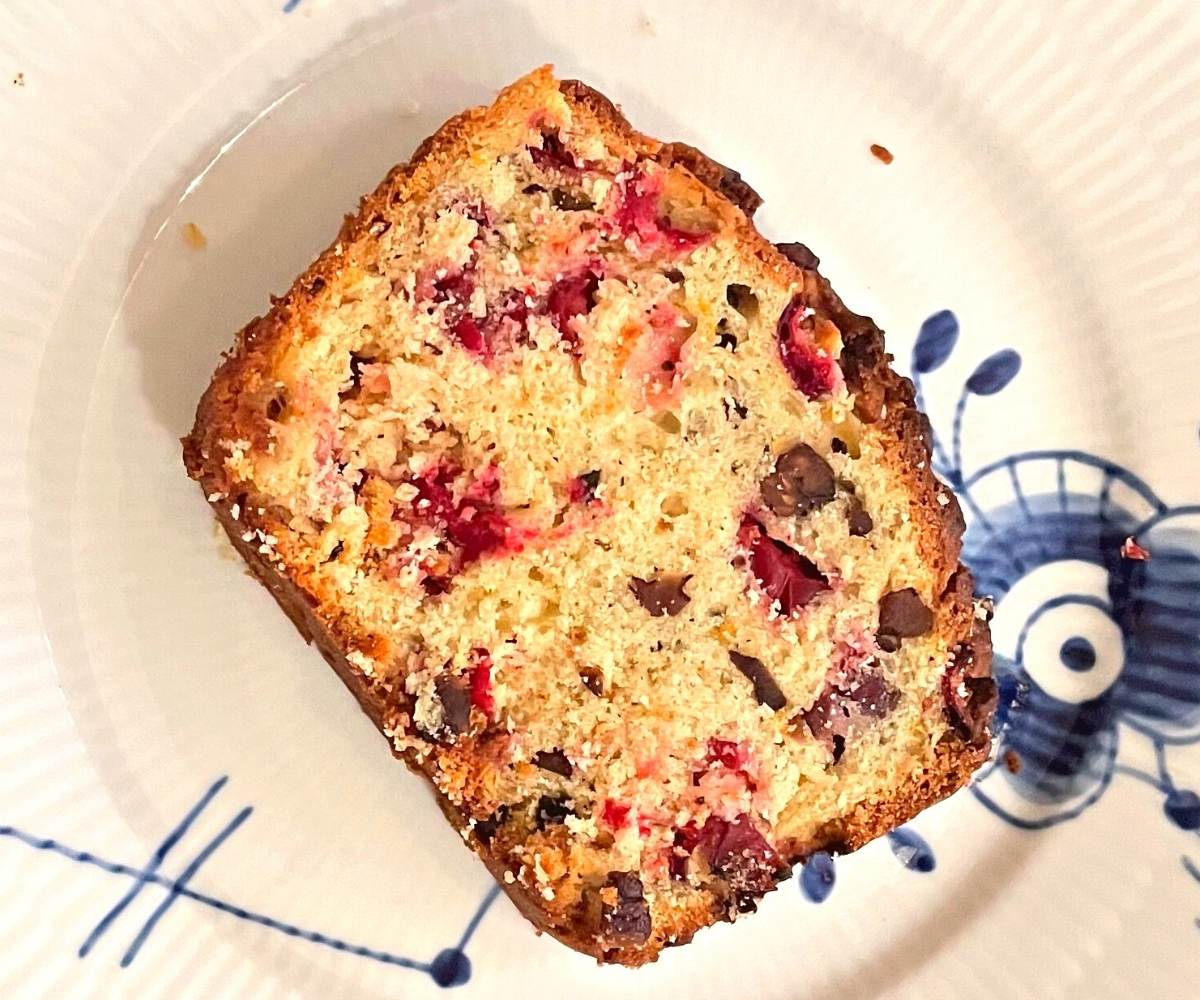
478 916
1190 867
291 5
180 883
152 865
451 967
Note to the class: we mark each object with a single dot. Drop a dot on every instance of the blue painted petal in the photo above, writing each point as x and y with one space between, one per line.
994 372
911 850
934 343
817 877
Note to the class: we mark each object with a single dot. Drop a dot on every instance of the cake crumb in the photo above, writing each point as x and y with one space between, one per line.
1131 550
19 80
881 153
1012 761
193 236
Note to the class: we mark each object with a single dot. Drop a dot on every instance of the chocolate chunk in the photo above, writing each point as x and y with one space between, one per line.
570 201
592 679
663 596
970 694
485 829
859 520
849 706
455 695
591 482
765 689
902 615
799 255
740 853
838 446
629 917
551 810
553 760
802 481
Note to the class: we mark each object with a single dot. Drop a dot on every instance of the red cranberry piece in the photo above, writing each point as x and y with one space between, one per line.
725 752
638 215
486 531
614 814
583 488
739 852
572 295
481 682
554 155
851 704
458 287
787 577
813 372
468 335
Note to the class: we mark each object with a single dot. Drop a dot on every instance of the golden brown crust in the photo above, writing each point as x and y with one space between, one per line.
883 399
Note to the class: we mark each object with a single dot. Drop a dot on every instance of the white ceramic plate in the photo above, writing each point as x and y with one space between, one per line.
191 805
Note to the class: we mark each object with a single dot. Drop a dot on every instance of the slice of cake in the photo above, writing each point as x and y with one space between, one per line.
613 518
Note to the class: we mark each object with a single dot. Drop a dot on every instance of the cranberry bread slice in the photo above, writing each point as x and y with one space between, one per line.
612 516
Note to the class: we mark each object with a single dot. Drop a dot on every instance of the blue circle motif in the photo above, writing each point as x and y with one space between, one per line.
1078 654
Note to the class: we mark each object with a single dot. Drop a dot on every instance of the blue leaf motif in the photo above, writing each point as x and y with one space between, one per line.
934 343
817 877
911 850
994 372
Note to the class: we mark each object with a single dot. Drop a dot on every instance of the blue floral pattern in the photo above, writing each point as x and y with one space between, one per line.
1120 645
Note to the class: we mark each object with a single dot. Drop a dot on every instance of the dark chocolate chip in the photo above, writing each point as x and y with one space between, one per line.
592 679
745 902
663 596
275 407
802 481
485 829
570 201
799 255
674 275
553 760
838 446
629 917
551 810
765 689
970 695
859 520
455 695
532 189
903 614
335 551
317 286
